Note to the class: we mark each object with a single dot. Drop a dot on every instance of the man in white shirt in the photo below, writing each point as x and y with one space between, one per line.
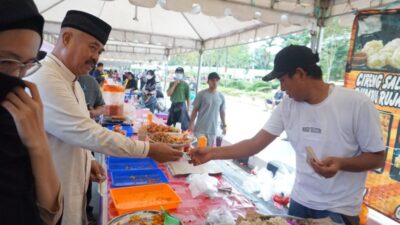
340 125
67 122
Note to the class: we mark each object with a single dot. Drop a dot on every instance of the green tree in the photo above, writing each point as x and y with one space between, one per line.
333 55
302 38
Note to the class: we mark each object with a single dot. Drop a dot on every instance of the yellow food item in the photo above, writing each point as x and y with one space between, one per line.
171 138
153 128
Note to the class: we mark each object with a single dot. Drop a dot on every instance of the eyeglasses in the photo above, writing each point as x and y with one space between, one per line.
10 66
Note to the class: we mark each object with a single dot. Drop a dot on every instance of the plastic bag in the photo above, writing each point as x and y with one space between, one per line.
203 184
220 216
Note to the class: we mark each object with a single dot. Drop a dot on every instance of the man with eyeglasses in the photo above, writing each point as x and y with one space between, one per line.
30 192
67 121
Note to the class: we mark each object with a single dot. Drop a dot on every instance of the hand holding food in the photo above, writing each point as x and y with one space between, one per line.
200 156
327 167
163 153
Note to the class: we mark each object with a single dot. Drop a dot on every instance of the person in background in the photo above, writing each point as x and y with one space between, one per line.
30 191
143 80
149 91
131 82
96 106
99 71
207 105
101 81
180 100
334 150
272 103
93 96
67 121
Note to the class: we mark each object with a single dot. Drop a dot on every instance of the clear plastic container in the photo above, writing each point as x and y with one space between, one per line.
114 98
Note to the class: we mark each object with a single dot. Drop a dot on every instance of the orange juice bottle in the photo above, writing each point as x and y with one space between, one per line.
149 118
202 141
363 215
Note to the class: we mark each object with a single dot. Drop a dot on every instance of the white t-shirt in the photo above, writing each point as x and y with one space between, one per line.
345 124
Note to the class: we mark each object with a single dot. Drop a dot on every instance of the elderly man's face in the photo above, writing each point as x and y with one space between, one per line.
83 51
16 47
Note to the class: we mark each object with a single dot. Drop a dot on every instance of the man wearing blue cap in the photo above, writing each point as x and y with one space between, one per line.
334 147
67 120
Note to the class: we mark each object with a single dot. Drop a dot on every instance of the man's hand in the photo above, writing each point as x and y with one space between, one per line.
327 167
191 127
200 155
97 173
163 153
176 82
92 113
224 130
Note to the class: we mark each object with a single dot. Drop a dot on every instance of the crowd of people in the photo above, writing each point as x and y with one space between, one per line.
48 129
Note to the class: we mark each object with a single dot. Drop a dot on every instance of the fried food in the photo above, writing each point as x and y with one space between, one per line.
153 128
170 138
138 220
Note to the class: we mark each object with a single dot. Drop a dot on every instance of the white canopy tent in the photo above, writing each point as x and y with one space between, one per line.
151 30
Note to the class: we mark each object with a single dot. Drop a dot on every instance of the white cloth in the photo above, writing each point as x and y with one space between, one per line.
345 124
70 131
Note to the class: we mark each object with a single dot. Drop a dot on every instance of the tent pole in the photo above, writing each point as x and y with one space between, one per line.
198 68
166 72
316 39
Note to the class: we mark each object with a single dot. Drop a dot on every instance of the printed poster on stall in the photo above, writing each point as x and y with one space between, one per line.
373 68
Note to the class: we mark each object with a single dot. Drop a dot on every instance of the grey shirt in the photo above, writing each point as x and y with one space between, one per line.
92 91
209 105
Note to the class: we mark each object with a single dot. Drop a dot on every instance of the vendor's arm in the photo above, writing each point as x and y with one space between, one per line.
364 162
66 120
369 138
242 149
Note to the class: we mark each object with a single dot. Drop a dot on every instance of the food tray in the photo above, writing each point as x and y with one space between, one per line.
118 164
194 140
146 217
146 197
137 177
127 128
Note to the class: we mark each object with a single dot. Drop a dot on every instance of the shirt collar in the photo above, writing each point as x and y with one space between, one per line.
66 73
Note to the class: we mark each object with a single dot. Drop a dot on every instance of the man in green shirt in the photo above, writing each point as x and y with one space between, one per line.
179 93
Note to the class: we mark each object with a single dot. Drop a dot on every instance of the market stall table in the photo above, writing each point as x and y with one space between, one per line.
192 211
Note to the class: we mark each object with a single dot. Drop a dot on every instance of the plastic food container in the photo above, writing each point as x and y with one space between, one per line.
127 128
117 164
114 98
137 177
146 197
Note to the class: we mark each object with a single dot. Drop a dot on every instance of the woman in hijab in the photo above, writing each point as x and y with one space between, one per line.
149 91
30 192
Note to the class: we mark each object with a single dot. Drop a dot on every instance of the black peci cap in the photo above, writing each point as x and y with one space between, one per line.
20 14
87 23
179 69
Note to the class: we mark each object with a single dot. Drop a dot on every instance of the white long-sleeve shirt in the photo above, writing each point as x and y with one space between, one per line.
70 131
